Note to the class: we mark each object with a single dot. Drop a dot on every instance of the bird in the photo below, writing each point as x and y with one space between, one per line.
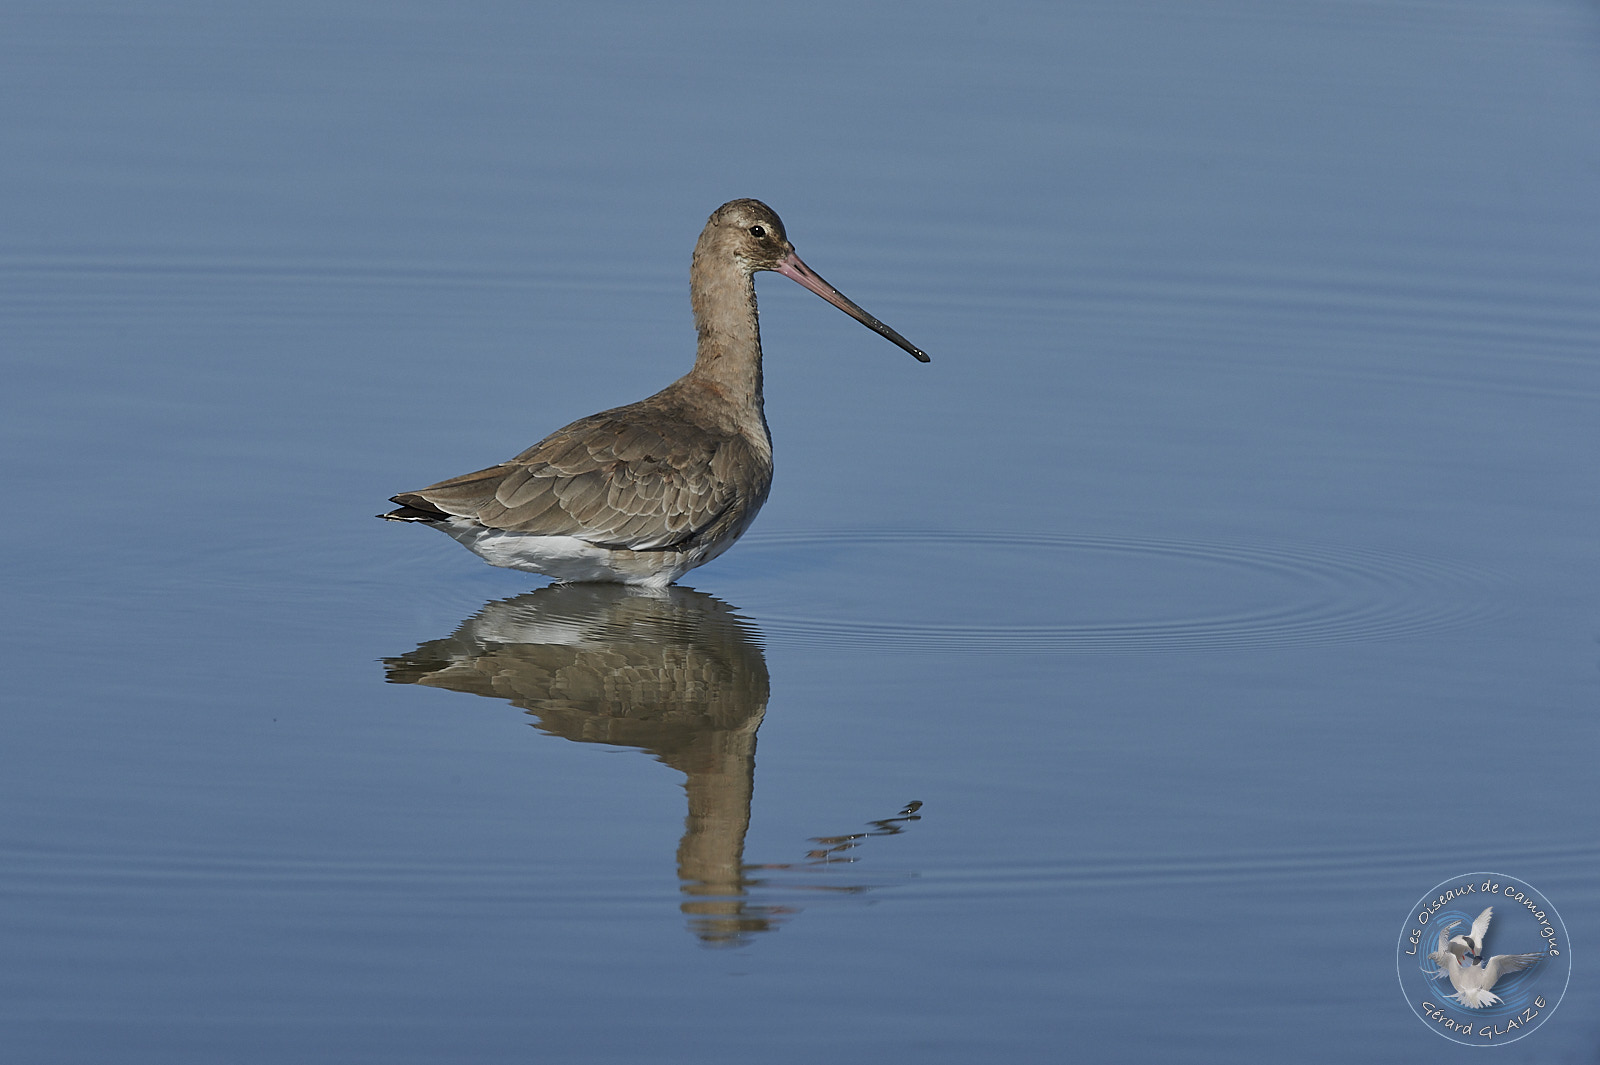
1472 943
642 494
1456 945
1472 982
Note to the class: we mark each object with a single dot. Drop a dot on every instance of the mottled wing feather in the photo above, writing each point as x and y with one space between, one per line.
611 481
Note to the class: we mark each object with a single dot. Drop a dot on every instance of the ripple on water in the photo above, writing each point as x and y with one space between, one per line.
1065 594
1330 866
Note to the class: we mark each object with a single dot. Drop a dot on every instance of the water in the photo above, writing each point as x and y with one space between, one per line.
1226 581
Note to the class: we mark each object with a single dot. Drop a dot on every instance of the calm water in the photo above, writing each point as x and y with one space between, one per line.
1228 579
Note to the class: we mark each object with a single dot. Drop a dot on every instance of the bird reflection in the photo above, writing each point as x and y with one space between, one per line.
672 671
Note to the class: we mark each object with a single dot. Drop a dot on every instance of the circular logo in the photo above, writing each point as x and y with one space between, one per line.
1483 959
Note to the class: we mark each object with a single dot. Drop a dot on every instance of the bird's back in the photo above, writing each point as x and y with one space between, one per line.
655 475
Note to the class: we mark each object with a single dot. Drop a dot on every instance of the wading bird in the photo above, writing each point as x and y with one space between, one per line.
644 493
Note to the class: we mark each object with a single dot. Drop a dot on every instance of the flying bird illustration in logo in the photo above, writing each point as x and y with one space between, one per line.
1456 945
1472 942
1472 982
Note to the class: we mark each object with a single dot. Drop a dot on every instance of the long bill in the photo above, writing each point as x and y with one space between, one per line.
792 267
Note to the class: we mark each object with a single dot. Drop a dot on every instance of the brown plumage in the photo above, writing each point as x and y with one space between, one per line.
644 493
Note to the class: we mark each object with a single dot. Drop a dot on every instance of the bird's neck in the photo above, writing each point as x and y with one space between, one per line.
729 355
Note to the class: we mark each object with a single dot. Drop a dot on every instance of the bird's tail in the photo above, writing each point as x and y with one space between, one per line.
409 513
1477 998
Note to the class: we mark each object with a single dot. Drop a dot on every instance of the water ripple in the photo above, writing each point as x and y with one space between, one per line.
1297 595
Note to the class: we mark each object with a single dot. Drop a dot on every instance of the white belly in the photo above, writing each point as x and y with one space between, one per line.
567 558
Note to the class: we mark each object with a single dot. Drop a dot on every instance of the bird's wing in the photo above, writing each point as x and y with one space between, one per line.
1501 964
613 481
1480 926
1444 937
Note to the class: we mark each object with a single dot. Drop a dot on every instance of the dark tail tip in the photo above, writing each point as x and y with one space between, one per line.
409 513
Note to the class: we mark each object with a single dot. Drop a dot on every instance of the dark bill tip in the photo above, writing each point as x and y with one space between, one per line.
793 268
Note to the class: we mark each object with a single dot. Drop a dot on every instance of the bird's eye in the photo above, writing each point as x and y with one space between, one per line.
757 231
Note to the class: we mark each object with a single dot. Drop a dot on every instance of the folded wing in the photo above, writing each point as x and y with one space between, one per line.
613 481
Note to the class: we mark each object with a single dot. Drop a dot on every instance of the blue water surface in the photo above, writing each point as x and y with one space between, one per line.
1106 690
